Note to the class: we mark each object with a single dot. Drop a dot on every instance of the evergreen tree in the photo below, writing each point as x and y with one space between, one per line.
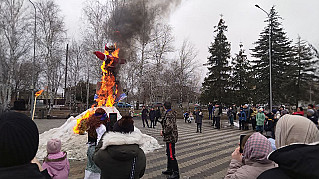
305 71
241 78
283 65
216 84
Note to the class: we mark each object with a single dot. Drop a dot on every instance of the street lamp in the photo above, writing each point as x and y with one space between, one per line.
33 62
269 36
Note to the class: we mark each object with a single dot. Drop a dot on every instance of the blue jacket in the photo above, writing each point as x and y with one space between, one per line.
242 116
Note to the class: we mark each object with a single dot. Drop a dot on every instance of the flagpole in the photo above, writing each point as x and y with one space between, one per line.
38 93
35 102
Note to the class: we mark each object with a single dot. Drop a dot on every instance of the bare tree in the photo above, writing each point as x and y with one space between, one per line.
52 35
95 33
185 69
14 37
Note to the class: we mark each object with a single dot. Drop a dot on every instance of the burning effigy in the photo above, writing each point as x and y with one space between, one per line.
73 132
108 91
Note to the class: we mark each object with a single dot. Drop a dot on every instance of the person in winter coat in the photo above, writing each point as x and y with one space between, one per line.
56 162
118 154
198 120
210 111
217 114
260 119
144 116
19 140
311 115
299 112
152 117
253 115
230 115
98 124
269 125
253 161
186 116
297 149
158 115
170 137
242 118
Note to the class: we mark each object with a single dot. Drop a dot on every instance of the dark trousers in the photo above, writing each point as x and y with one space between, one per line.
145 119
152 123
253 122
217 122
214 121
156 119
210 115
241 124
231 120
171 159
260 129
199 127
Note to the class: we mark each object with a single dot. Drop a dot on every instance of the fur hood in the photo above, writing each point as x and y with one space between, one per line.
146 143
117 138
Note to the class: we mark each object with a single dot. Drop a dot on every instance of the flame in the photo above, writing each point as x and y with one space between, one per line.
107 92
38 93
80 126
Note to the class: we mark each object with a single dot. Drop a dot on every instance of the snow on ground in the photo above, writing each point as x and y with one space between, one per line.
75 144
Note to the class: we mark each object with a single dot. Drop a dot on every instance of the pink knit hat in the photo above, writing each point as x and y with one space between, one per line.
54 146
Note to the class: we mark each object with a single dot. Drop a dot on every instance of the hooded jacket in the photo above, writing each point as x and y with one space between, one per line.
254 161
295 161
118 153
57 165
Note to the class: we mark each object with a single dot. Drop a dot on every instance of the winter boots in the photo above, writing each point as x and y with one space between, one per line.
175 175
167 172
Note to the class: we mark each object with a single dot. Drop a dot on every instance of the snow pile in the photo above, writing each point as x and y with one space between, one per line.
75 144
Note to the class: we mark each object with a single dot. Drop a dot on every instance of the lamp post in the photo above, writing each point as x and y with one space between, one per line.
33 62
269 36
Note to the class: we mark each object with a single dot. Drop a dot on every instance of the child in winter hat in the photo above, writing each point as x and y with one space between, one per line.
56 162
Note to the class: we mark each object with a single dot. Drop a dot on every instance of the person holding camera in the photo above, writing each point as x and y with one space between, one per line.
253 160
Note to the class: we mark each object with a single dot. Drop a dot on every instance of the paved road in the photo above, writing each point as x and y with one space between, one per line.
199 155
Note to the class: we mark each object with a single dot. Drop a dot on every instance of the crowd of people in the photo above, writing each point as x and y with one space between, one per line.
265 121
289 150
153 115
114 152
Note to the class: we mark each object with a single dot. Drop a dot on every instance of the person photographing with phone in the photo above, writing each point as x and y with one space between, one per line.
252 160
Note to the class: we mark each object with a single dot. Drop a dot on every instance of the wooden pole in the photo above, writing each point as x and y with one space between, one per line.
35 102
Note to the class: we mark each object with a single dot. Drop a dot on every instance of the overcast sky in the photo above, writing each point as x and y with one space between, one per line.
195 19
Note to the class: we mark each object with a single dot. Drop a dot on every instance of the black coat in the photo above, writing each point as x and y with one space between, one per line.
23 172
295 161
158 113
144 113
152 115
116 160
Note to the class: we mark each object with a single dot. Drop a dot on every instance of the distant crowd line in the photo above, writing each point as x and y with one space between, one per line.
288 149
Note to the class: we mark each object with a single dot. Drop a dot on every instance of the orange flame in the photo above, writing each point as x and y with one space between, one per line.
106 94
38 93
80 126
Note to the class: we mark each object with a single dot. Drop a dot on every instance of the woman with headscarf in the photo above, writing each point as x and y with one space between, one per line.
297 153
253 161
